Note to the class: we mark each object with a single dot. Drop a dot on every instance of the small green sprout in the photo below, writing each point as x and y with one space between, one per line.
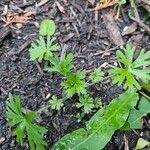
97 75
87 103
23 123
56 103
63 66
133 71
43 49
47 28
75 84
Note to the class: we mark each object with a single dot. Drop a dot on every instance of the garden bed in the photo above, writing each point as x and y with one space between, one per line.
83 32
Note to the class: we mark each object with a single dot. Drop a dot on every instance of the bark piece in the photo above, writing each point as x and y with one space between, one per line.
4 32
112 28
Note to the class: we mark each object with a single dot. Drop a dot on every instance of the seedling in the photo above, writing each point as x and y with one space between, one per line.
63 66
74 84
97 75
23 123
56 103
43 49
86 102
133 71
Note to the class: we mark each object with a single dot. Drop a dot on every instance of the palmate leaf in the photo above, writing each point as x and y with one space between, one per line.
56 103
75 84
133 70
22 123
97 75
42 50
86 102
63 66
101 127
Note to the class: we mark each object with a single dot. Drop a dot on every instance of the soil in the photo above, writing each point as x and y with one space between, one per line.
80 31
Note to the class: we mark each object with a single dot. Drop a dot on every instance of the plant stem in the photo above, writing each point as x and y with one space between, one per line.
142 93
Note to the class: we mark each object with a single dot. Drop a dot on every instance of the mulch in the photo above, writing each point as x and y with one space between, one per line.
80 30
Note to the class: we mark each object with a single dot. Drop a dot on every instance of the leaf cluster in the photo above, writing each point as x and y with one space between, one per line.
97 75
23 123
63 66
132 71
75 83
43 48
55 103
101 126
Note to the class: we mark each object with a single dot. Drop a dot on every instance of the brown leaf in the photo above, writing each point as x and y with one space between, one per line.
106 4
17 18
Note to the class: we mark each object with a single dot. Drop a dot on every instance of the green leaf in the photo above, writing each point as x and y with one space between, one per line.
56 103
132 70
97 75
141 144
47 27
86 102
75 84
22 123
136 115
101 126
42 50
63 66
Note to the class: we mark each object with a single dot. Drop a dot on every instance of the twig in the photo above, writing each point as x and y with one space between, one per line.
134 9
141 24
39 68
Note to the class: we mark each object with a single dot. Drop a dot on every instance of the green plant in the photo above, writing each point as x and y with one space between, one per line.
43 49
23 123
56 103
97 75
75 84
101 127
133 71
47 28
86 102
63 66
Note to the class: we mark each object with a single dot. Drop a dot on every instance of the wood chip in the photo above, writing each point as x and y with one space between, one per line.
42 2
60 7
4 32
112 28
91 1
67 37
130 29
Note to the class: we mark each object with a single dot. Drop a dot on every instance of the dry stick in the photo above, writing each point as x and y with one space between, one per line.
134 9
137 18
141 24
146 2
39 68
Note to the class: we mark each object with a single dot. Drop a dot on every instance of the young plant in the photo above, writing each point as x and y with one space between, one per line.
43 49
74 84
97 75
133 71
63 66
23 123
56 103
101 127
86 102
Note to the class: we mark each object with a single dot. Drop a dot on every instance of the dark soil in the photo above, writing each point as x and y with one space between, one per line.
78 32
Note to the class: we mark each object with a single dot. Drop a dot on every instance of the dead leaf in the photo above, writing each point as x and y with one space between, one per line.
130 29
106 4
5 11
91 1
17 18
60 7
